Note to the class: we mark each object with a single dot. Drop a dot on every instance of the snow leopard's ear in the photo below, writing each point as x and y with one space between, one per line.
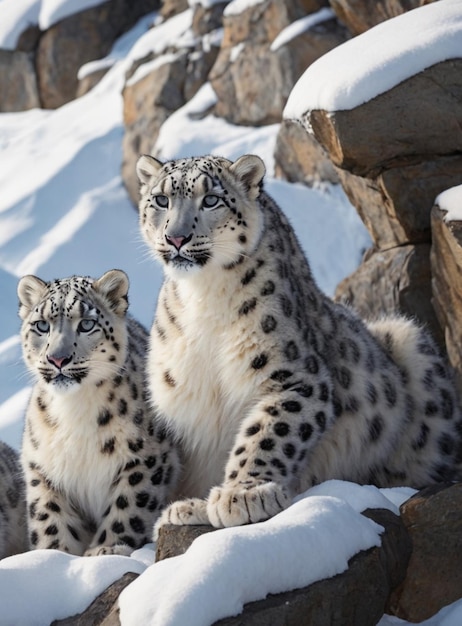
30 290
250 170
147 167
113 287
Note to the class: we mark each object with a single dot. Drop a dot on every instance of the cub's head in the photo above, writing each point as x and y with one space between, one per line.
200 212
74 330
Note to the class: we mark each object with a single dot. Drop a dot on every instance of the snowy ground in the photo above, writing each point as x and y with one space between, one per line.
64 210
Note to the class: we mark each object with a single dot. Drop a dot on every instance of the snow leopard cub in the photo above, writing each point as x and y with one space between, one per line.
270 385
98 466
13 527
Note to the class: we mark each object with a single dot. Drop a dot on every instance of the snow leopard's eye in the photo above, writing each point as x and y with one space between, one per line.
85 326
161 201
210 201
42 326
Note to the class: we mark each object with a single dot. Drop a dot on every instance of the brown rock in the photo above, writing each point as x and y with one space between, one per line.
396 205
80 38
424 130
433 518
207 18
170 8
393 281
149 101
253 81
356 597
28 39
18 85
103 610
89 81
299 158
359 15
175 540
446 267
260 23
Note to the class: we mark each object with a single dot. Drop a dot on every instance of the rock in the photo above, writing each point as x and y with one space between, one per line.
396 205
28 39
433 518
18 85
253 80
299 157
175 540
77 39
169 8
151 99
392 281
359 15
103 611
207 18
424 132
356 597
91 79
446 267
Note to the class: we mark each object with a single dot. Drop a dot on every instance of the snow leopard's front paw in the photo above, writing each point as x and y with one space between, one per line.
183 512
120 548
245 504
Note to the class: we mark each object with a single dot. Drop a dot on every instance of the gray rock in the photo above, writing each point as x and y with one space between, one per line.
446 267
18 85
80 38
391 281
433 518
103 611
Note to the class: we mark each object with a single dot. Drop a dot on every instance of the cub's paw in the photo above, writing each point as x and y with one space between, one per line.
183 512
120 548
241 504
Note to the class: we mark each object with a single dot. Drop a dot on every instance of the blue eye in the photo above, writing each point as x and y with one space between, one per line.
42 326
210 201
161 201
85 326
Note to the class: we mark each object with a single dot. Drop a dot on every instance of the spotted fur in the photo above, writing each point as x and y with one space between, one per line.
270 385
98 466
13 529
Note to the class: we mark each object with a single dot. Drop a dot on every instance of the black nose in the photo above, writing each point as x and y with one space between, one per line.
178 241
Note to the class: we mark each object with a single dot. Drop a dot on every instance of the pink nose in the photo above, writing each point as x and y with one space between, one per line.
59 361
177 242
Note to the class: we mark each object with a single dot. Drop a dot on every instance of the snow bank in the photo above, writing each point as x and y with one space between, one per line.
382 57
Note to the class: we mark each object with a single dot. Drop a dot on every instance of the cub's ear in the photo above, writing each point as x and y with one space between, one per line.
113 287
30 290
250 170
147 167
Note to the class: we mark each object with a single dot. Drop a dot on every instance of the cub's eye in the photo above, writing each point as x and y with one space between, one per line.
42 326
210 201
86 325
161 201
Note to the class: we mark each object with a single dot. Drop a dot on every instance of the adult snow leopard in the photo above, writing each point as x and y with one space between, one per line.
98 467
269 385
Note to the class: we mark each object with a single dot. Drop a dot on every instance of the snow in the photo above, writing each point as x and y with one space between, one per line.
300 26
221 571
377 60
15 17
235 7
53 11
64 210
451 202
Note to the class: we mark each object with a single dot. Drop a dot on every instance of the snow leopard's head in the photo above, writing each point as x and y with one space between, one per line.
200 212
74 330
